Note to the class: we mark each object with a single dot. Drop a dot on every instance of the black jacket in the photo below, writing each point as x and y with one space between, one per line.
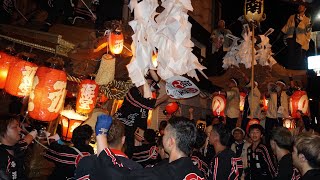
109 167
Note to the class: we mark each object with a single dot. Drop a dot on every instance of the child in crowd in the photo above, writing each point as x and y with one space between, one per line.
238 136
240 146
261 163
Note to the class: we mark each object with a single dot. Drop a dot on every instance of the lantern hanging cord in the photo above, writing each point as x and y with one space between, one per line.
127 48
121 88
73 79
35 140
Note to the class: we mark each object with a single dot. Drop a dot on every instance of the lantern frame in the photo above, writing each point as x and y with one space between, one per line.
70 120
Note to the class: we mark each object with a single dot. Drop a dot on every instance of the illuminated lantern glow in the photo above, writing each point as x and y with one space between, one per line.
119 103
289 123
171 108
20 78
242 100
155 59
299 101
218 105
116 42
251 122
265 104
48 93
5 62
149 119
87 96
69 121
254 10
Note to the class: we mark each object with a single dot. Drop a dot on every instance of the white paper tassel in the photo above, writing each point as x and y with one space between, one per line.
242 53
170 33
106 70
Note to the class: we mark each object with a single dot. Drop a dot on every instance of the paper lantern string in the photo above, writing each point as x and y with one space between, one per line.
116 89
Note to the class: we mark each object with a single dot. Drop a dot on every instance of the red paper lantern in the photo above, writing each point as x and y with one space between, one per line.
116 42
5 62
299 101
251 122
171 108
87 96
218 105
242 100
69 121
48 93
20 78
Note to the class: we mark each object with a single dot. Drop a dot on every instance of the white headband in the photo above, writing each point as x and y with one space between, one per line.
281 83
234 81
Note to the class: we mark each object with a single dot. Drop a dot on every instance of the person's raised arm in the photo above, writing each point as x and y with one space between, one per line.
102 126
30 137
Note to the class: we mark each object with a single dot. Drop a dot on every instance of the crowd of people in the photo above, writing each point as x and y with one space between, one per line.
182 148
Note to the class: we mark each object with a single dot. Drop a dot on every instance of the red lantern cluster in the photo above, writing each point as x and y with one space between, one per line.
218 105
299 101
87 96
5 62
48 93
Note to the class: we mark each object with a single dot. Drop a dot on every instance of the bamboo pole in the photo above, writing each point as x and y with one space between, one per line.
252 68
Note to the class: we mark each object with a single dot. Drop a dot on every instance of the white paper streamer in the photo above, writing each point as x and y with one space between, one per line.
242 53
169 32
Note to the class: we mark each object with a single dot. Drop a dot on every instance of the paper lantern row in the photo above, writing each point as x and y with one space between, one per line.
46 87
298 101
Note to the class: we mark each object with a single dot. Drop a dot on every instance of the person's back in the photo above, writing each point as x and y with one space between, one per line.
147 153
281 144
224 165
67 157
197 157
